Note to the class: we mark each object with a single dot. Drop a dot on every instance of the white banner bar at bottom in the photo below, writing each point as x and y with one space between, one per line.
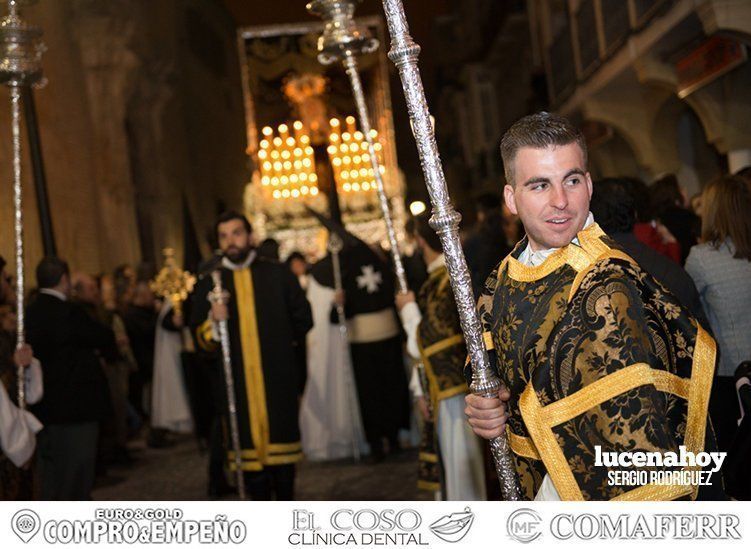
396 524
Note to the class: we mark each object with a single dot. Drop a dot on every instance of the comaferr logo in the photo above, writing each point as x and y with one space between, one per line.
524 525
658 526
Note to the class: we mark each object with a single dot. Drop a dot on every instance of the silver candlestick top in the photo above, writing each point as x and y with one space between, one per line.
21 48
342 36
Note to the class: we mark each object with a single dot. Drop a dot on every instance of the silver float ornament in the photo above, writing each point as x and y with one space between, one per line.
221 296
343 40
21 51
445 221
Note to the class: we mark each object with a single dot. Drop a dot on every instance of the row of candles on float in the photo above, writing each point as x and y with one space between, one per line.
350 159
287 162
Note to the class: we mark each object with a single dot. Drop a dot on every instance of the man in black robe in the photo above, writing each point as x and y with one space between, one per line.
267 312
375 338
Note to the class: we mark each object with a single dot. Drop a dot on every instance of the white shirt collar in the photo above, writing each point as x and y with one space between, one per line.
437 263
533 259
237 266
49 291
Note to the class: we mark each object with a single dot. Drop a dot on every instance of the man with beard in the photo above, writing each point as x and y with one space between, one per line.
595 354
266 313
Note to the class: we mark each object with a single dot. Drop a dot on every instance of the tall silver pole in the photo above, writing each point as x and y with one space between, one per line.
20 65
445 221
343 40
221 296
335 247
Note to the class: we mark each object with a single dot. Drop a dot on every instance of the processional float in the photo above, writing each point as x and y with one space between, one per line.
21 51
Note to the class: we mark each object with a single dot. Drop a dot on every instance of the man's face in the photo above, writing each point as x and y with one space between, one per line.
234 240
298 267
551 194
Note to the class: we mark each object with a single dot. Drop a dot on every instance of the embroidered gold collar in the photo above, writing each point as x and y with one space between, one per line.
579 257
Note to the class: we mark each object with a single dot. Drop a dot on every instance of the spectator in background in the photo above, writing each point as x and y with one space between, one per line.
486 246
414 264
124 279
648 231
269 250
669 206
614 209
69 344
140 324
745 174
118 372
299 267
721 269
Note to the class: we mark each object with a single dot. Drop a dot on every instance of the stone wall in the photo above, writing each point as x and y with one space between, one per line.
142 110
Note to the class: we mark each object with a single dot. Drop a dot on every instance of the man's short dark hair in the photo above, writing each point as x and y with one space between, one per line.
538 131
50 271
613 206
269 249
293 256
424 230
229 216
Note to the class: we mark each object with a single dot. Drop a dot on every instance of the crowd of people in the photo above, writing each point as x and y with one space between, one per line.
325 372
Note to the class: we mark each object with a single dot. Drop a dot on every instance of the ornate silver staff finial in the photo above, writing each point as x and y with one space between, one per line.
219 295
343 40
21 51
445 221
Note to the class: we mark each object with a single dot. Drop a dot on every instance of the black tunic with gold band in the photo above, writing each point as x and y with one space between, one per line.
595 352
443 353
267 312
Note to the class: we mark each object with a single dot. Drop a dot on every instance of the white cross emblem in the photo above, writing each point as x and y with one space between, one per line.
369 279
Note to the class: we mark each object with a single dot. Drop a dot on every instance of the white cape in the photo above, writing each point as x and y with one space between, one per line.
330 412
170 408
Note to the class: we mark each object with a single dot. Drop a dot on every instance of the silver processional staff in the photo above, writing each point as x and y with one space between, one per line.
219 295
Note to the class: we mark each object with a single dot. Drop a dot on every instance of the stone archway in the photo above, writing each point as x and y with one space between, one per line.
680 138
612 155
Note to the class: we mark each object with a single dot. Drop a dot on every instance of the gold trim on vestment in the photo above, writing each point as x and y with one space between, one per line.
204 335
278 448
550 452
251 352
579 257
611 253
540 420
522 446
256 465
442 345
429 486
702 375
524 273
487 338
453 391
430 458
435 394
611 386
